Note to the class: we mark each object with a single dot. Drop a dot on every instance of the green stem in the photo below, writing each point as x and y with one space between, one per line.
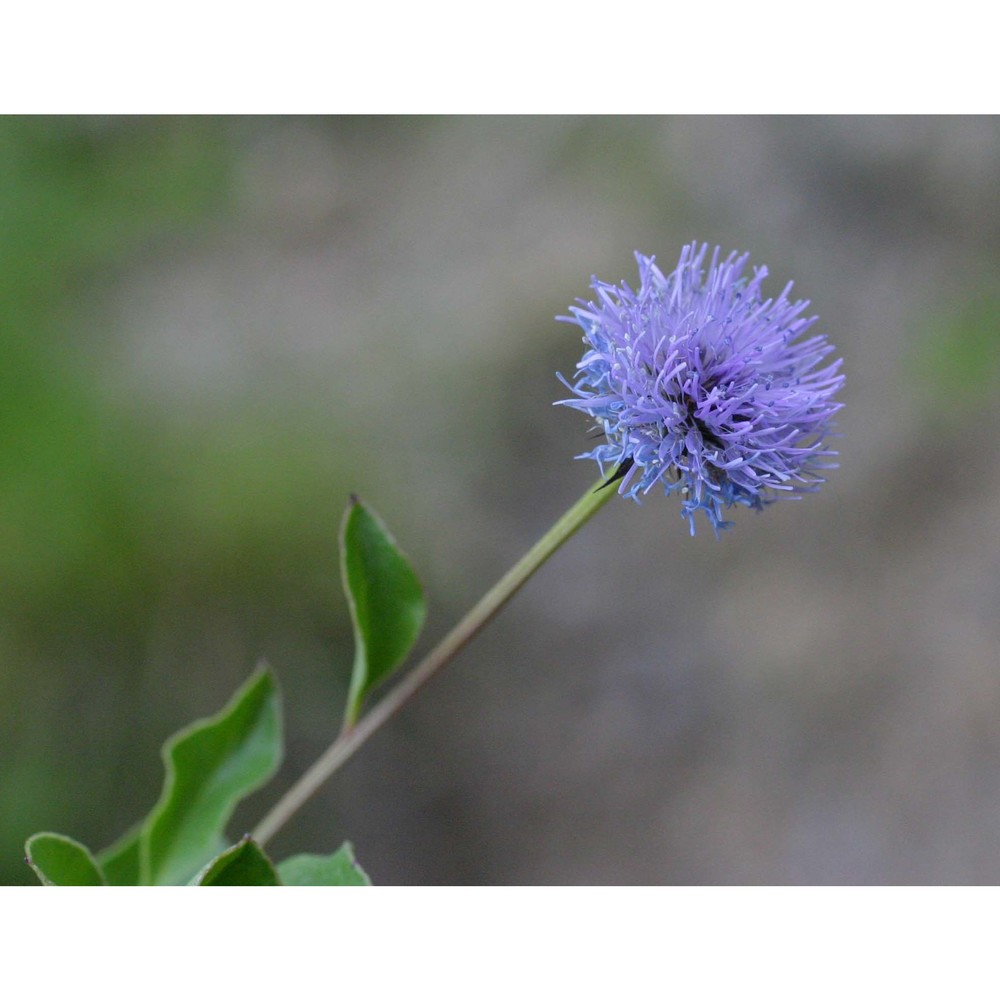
351 739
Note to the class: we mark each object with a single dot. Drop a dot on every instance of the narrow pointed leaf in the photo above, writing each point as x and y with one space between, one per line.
211 765
338 868
385 599
243 864
60 860
120 861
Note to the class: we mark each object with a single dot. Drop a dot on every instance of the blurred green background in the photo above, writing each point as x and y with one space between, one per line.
214 329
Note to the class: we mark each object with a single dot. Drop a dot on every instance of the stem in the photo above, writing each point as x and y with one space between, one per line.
351 738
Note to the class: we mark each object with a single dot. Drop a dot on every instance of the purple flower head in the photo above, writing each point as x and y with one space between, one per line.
699 383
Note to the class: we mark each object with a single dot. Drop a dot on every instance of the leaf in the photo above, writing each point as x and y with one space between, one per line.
60 860
120 861
243 864
385 599
338 868
211 765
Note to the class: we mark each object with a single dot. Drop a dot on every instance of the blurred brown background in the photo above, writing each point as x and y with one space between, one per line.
214 330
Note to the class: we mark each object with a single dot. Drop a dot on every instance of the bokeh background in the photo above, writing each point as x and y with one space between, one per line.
213 330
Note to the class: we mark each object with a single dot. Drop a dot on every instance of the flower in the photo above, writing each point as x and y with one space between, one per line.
699 383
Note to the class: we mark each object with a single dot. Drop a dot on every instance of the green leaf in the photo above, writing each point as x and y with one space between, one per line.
385 599
60 860
120 861
243 864
211 765
338 868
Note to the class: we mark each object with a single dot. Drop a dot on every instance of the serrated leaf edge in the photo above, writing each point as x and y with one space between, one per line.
346 847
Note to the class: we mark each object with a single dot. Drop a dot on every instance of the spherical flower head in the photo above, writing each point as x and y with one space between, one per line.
699 383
